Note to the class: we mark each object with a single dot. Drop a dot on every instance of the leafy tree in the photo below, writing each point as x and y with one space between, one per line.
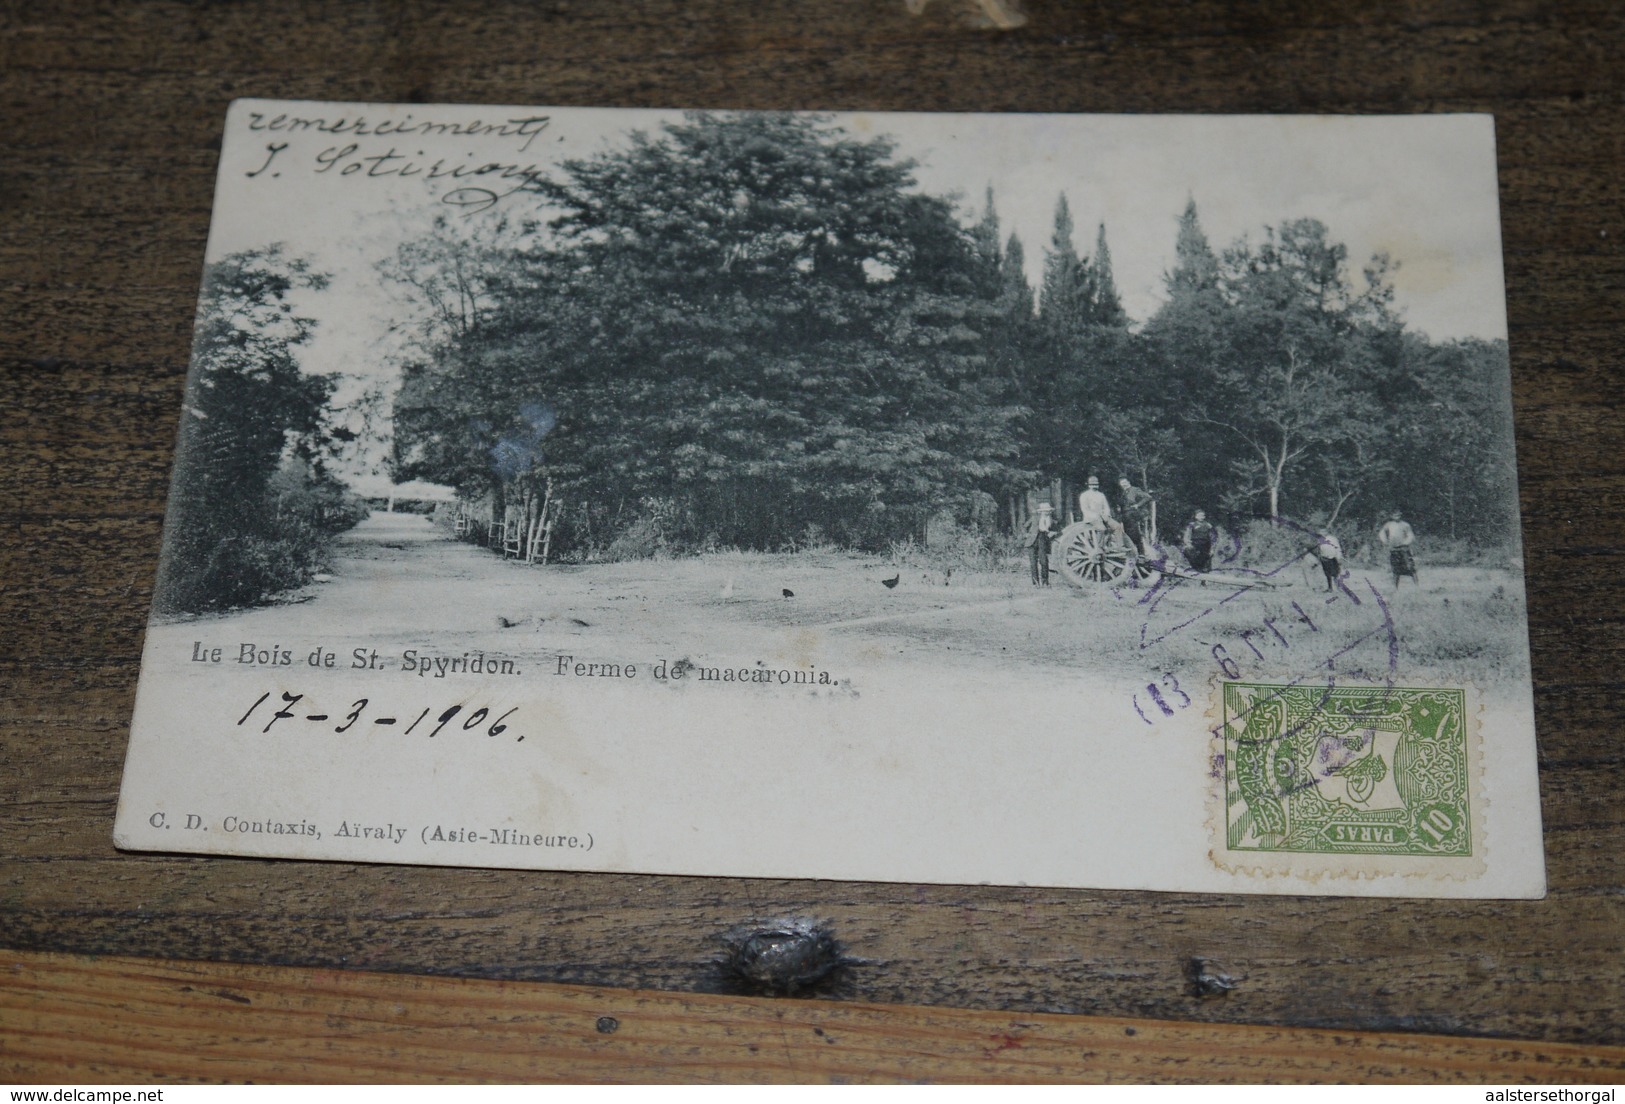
249 409
1135 442
1289 378
745 329
1292 384
1448 441
746 326
1283 408
453 274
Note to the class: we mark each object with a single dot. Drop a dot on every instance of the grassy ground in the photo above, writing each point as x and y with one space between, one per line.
398 583
1464 624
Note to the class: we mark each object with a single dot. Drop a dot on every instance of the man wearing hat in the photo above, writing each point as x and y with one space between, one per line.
1039 535
1397 536
1093 508
1095 511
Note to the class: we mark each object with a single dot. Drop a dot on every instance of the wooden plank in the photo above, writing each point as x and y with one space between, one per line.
1450 967
76 1019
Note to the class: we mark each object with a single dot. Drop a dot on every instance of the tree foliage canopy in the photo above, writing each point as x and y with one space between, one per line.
754 327
754 322
251 507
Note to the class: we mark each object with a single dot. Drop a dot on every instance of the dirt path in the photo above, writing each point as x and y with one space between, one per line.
400 582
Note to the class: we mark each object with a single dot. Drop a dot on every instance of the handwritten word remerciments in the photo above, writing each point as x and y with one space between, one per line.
352 159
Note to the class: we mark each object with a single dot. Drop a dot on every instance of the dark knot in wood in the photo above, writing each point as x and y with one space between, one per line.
1208 979
783 958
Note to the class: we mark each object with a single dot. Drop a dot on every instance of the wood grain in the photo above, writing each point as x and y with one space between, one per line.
67 1018
106 175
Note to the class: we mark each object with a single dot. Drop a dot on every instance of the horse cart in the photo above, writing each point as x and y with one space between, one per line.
1088 554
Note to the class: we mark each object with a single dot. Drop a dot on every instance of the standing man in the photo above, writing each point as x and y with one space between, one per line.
1136 513
1197 541
1397 536
1039 535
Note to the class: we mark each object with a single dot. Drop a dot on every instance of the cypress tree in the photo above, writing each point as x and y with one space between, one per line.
985 236
1063 298
1196 268
1017 293
1107 306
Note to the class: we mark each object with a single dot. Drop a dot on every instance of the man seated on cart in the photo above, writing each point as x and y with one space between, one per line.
1095 512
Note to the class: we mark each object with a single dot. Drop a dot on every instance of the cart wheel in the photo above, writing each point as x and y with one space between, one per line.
1089 556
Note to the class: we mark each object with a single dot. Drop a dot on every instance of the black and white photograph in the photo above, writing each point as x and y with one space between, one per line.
574 488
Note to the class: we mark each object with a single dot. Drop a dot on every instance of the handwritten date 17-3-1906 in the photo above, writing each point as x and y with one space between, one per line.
295 709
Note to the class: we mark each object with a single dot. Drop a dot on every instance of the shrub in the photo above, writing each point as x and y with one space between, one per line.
240 570
644 539
1267 543
955 547
1460 553
219 555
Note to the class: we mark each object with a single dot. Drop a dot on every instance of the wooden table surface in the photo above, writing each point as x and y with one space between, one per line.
112 115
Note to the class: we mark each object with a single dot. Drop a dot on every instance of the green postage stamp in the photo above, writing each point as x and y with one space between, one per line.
1363 771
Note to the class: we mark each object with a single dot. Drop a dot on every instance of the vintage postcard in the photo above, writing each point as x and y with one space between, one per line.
1088 501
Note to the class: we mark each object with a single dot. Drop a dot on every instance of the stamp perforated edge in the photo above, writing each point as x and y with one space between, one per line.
1313 866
